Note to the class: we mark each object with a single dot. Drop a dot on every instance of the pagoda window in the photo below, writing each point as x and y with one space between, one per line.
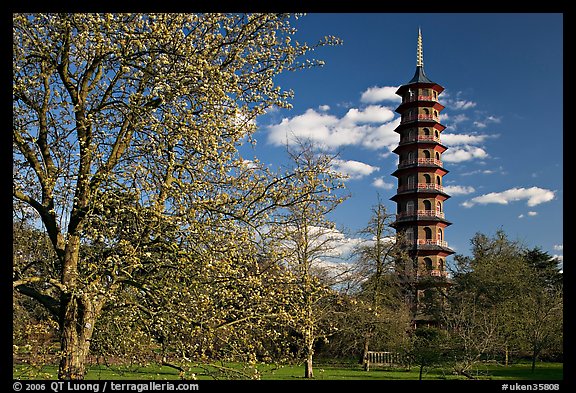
439 207
438 180
440 234
437 156
410 134
428 263
427 178
436 134
426 131
427 205
426 154
410 207
428 233
441 265
426 111
410 234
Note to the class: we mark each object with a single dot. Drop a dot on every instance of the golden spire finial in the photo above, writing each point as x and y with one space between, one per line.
419 57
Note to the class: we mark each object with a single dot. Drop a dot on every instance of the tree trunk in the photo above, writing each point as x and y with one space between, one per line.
421 369
534 357
79 311
365 352
76 332
308 371
309 345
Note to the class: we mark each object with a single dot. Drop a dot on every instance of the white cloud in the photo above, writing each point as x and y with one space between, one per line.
559 247
371 127
532 213
456 119
353 169
378 94
382 136
464 153
462 104
370 114
484 123
534 196
461 146
462 139
324 108
331 248
458 190
499 170
251 164
456 103
380 183
317 127
560 258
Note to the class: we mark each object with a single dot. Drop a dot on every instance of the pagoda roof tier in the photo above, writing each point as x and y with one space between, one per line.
419 104
406 144
419 80
421 168
429 122
410 219
419 192
429 247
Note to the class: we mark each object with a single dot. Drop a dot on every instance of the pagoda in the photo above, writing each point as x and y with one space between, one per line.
420 195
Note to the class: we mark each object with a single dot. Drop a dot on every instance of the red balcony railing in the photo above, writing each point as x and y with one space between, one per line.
424 138
420 213
424 161
433 273
419 117
429 138
432 242
418 98
421 186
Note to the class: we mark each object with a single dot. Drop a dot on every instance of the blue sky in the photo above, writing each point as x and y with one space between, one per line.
503 80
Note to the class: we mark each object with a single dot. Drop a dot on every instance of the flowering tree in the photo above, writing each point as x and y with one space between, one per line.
307 240
125 136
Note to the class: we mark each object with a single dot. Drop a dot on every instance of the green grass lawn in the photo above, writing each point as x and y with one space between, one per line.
519 371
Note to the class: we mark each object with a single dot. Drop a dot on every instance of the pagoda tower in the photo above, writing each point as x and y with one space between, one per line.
420 196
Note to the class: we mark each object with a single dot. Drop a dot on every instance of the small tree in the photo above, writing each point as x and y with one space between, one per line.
540 309
378 254
306 239
429 348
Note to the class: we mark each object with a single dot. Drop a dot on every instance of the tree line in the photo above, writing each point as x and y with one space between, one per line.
504 302
141 233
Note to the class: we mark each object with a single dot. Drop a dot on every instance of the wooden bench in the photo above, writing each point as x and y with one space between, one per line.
384 359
